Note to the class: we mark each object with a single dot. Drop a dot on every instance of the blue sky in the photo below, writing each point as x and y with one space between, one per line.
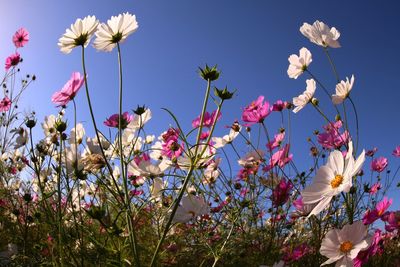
249 40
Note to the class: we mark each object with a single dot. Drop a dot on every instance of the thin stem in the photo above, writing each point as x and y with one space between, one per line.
357 126
332 64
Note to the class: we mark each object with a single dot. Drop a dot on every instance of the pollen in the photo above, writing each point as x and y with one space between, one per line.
346 246
337 181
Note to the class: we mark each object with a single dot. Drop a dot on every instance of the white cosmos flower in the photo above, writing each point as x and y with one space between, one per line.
226 139
191 207
299 63
319 33
252 158
79 34
80 133
147 169
140 120
116 30
342 246
302 100
22 138
332 179
343 90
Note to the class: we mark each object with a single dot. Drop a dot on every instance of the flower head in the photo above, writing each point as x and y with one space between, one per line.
299 63
302 100
5 104
332 138
78 35
342 246
113 120
319 33
20 38
12 60
116 30
396 152
256 112
208 120
191 207
379 164
69 91
343 90
378 212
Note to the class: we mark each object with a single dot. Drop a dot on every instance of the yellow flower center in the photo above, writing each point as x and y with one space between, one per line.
338 180
346 246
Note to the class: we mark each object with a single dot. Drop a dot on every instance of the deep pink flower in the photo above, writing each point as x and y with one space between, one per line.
332 138
396 152
276 142
379 164
375 247
378 212
279 158
296 253
113 120
279 105
172 149
208 120
393 221
371 153
204 135
12 60
171 133
281 192
69 91
374 189
20 38
256 112
5 104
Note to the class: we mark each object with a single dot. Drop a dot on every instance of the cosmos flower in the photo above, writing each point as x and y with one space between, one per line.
379 164
378 212
191 207
276 142
319 33
343 90
299 63
342 246
226 139
20 38
76 136
256 112
12 60
302 100
5 104
79 34
376 247
332 179
113 120
208 120
396 152
69 91
116 30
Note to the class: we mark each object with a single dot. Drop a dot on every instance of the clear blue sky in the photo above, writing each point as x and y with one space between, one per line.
249 40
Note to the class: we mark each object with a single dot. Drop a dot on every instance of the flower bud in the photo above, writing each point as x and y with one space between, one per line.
224 94
209 74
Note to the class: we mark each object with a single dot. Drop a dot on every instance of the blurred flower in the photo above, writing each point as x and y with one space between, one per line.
343 90
76 136
252 158
374 188
212 172
208 120
281 192
363 256
79 34
69 91
393 221
5 104
342 246
279 105
115 31
302 100
256 112
12 60
319 33
379 164
299 63
332 179
191 207
371 153
226 139
396 152
21 139
378 212
279 158
276 142
20 38
113 120
146 169
332 138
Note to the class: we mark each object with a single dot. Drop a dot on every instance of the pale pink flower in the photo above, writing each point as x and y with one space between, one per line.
5 104
276 142
208 120
191 207
319 33
20 38
12 60
256 112
374 188
69 91
279 158
332 138
363 256
379 164
302 100
396 152
343 90
299 63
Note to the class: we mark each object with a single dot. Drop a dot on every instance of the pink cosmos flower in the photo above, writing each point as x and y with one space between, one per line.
379 164
279 158
276 142
374 188
281 192
396 152
296 253
172 149
364 255
371 153
332 138
5 104
279 105
378 212
393 221
69 91
113 120
208 120
20 38
256 112
12 60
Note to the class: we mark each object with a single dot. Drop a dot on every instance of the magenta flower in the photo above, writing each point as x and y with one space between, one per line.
379 164
296 253
371 153
332 138
279 105
172 149
208 120
279 158
256 112
364 255
69 91
375 188
281 192
393 220
396 152
276 142
378 212
5 104
20 38
12 60
113 120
